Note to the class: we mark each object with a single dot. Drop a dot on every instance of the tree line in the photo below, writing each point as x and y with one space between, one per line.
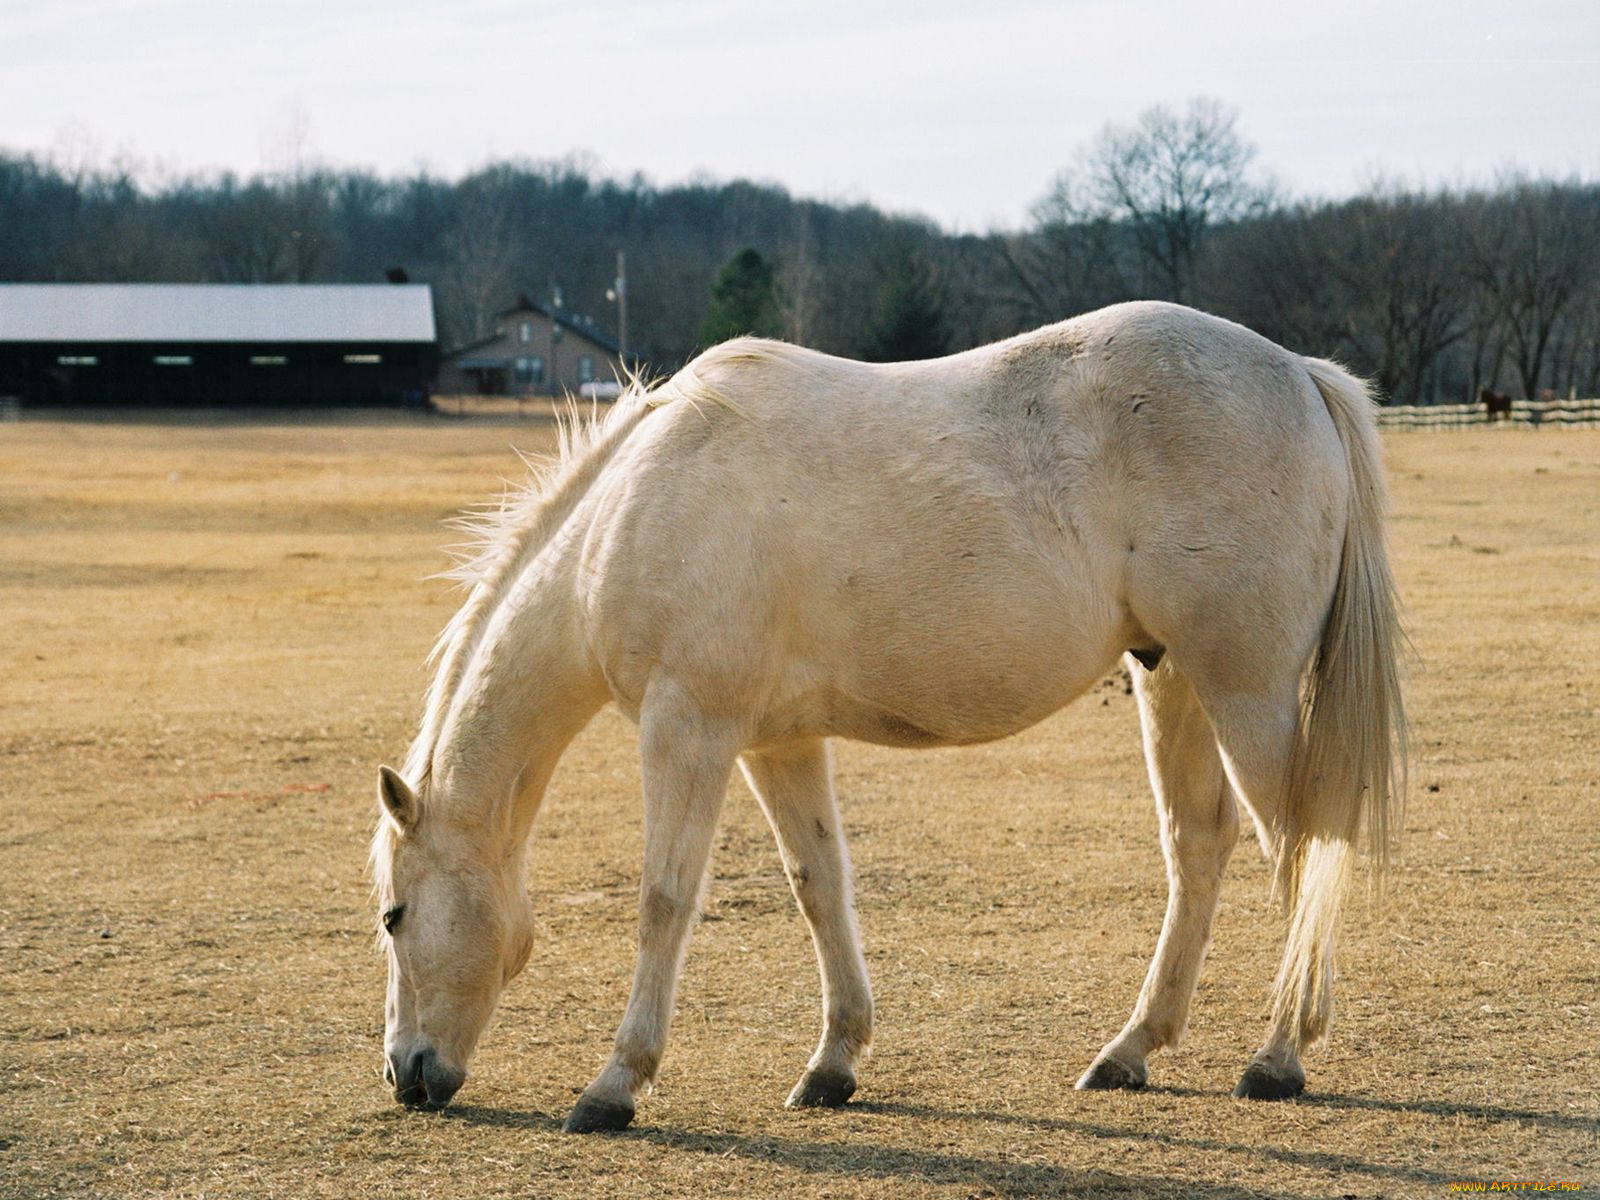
1434 294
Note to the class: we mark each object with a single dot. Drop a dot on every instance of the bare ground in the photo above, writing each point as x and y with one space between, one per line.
214 634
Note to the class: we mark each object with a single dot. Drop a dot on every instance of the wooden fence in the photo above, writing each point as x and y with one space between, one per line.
1528 413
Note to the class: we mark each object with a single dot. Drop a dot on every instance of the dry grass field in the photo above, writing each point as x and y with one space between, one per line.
213 635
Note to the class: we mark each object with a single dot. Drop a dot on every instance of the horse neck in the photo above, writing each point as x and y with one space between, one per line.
528 690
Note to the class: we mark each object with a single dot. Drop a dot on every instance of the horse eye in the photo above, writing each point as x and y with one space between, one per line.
391 919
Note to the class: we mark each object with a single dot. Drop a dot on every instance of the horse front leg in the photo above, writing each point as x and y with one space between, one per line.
794 785
687 760
1199 827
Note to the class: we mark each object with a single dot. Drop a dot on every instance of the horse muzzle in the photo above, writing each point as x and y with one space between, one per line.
421 1079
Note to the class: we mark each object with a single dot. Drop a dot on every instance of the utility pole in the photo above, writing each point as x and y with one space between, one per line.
555 337
618 293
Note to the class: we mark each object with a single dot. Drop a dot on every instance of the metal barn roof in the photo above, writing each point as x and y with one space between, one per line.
222 312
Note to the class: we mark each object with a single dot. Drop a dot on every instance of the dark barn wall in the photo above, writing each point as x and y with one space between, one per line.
219 374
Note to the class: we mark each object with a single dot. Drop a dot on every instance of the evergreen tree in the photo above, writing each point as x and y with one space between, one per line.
743 301
908 319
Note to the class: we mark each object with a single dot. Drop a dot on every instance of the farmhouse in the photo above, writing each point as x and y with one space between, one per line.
216 344
534 350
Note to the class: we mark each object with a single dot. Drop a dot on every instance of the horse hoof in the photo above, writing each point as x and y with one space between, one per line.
1110 1074
598 1116
822 1089
1260 1082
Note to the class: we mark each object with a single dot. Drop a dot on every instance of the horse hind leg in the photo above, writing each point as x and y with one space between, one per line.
1257 732
1199 827
794 785
687 761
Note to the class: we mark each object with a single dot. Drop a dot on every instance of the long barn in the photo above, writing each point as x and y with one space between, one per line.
190 345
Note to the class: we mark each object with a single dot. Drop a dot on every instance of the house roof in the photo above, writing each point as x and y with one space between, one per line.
575 322
222 312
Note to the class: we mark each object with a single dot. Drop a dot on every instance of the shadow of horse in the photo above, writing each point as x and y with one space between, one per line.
902 1165
1011 1177
1308 1159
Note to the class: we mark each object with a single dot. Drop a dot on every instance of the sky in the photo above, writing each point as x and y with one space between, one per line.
962 111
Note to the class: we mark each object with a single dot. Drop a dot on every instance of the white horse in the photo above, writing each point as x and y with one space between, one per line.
776 547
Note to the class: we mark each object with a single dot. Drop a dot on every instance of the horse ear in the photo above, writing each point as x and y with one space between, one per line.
397 798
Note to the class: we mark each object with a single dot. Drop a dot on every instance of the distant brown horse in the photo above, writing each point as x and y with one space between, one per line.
1497 404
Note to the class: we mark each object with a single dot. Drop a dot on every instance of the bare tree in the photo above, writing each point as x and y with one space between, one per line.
300 195
118 235
1395 254
1583 373
799 280
1532 246
1169 178
479 248
1271 273
983 299
1070 262
248 233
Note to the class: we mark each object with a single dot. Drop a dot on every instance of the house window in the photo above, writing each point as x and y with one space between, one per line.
366 359
530 371
77 360
586 368
174 360
268 360
525 332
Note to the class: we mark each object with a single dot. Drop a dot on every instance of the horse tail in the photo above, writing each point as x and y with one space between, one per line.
1348 763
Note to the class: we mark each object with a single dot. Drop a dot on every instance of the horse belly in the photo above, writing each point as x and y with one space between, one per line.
942 653
984 684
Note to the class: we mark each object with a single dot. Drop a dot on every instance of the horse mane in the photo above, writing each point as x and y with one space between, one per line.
502 537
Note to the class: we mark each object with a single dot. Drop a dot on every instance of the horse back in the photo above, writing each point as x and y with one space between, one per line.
943 551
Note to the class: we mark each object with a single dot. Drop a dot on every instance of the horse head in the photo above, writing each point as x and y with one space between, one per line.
457 927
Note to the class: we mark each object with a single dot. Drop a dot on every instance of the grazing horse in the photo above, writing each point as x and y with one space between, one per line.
1497 405
776 547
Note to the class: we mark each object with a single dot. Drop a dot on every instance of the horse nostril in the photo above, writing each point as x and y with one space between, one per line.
405 1076
441 1081
388 1070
